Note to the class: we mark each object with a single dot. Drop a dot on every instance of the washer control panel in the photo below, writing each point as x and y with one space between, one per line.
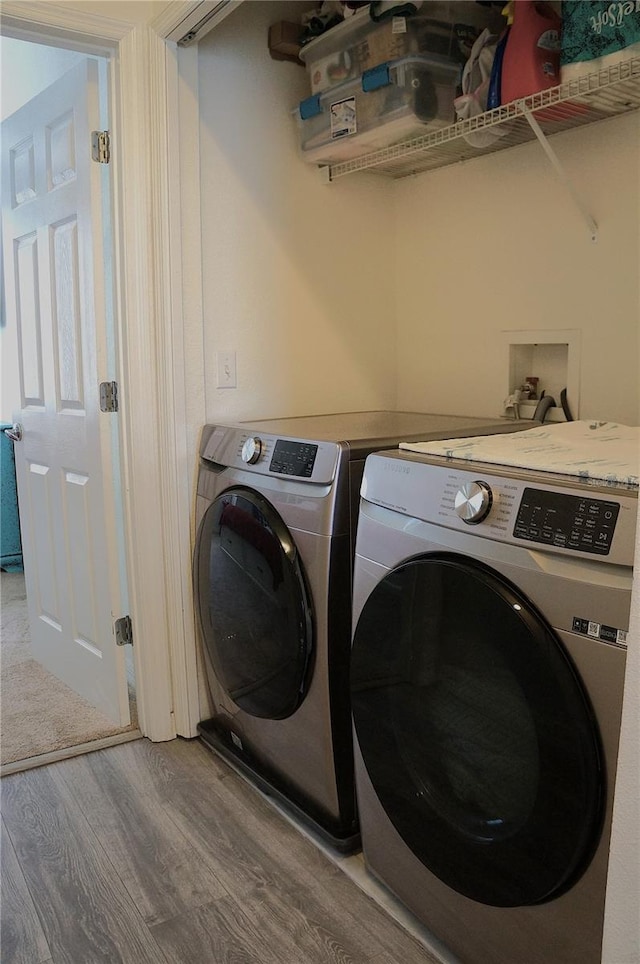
566 521
507 506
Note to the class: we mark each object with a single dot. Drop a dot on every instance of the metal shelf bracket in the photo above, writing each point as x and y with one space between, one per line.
557 166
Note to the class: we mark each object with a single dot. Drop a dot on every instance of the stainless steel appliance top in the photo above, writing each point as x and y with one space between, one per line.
308 448
356 429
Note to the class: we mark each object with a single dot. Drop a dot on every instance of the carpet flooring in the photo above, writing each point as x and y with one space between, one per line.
39 714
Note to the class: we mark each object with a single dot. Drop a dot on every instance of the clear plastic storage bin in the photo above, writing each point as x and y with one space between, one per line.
445 28
390 103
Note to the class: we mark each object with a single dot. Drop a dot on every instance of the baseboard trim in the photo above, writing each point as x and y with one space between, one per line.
44 759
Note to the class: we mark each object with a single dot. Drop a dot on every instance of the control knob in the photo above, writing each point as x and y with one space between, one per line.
252 450
473 502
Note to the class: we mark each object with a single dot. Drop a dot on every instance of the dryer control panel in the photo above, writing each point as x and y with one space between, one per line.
300 460
291 457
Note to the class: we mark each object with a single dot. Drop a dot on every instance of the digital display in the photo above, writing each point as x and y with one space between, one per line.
567 521
293 458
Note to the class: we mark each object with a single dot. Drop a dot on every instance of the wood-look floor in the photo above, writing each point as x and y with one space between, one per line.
161 854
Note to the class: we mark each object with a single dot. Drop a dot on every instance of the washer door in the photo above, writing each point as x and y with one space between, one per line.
253 605
475 731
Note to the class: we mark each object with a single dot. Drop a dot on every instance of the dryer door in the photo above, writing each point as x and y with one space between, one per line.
475 731
253 605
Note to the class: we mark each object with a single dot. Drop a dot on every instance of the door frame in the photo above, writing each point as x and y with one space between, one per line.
156 453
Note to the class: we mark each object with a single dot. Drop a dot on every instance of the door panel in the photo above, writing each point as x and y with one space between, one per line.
28 319
67 332
54 203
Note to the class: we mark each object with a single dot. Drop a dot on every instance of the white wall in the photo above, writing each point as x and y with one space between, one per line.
297 274
497 244
26 69
321 288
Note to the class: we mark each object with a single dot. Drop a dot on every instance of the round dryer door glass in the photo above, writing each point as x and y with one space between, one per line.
476 732
253 605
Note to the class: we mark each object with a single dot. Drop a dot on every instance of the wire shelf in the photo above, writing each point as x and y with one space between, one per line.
594 97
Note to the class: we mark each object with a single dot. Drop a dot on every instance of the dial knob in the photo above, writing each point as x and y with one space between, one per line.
473 502
252 450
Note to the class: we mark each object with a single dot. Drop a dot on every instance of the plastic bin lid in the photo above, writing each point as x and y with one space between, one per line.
335 35
374 78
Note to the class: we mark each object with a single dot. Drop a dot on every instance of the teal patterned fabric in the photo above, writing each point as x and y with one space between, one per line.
10 545
595 28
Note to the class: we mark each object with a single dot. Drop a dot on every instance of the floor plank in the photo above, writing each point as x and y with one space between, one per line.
79 898
160 869
219 932
239 834
274 865
21 937
308 926
374 931
162 853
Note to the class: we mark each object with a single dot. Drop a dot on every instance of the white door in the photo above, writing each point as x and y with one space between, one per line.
55 211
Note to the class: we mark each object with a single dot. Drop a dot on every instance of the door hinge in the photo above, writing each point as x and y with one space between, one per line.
108 396
124 631
100 147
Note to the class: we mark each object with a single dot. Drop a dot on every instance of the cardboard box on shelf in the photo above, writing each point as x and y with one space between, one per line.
284 41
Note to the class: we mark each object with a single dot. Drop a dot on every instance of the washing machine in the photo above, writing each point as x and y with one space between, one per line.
276 509
491 607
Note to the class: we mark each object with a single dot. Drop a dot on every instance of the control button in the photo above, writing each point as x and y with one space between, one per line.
473 502
252 450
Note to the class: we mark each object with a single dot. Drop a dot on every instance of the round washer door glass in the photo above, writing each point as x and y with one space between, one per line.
253 605
475 731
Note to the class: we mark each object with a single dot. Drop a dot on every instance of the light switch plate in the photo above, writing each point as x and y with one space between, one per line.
226 369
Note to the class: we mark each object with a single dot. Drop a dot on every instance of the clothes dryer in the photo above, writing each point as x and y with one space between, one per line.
491 607
276 511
